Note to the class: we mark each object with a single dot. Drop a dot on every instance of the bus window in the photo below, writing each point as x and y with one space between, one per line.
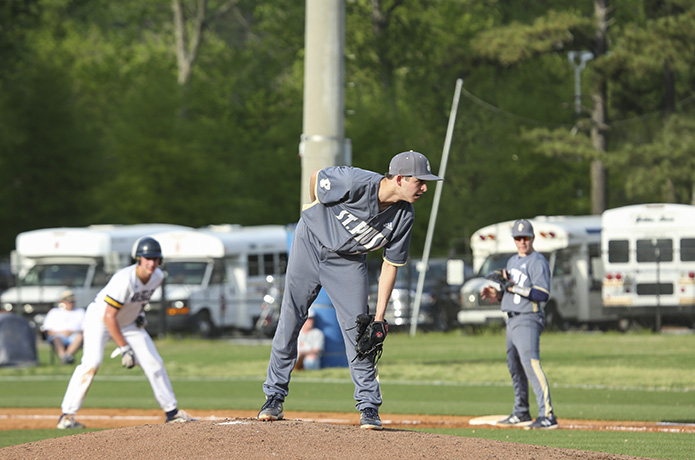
254 265
662 251
618 251
217 276
595 267
688 249
269 264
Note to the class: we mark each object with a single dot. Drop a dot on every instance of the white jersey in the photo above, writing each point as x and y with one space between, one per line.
61 320
126 292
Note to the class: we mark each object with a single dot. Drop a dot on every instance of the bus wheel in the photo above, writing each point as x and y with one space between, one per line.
204 325
553 320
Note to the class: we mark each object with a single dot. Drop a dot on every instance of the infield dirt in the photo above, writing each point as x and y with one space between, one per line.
302 435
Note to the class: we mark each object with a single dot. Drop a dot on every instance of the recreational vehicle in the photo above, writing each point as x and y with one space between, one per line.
51 260
572 246
216 277
649 260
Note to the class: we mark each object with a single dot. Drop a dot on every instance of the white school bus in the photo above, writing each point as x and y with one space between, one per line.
216 277
572 246
50 260
649 260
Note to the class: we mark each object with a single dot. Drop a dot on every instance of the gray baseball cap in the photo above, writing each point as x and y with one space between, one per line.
522 227
412 164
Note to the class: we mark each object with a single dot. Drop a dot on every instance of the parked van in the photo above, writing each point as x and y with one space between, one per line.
572 246
48 261
216 277
649 260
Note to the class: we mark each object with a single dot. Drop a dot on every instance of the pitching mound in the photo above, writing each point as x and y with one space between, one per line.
249 439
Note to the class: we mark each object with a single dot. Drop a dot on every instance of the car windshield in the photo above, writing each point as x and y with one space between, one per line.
494 262
185 272
72 275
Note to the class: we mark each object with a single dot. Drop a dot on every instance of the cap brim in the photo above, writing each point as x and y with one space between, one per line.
428 177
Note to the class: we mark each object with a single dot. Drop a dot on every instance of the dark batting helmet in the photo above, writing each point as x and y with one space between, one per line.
148 248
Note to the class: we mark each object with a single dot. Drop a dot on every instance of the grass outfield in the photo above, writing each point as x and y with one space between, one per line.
639 376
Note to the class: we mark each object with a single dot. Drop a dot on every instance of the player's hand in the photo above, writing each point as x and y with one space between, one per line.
488 292
127 356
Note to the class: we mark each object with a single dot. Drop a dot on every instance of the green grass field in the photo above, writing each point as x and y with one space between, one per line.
611 376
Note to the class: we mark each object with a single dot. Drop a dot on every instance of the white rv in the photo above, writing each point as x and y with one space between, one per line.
572 246
216 277
649 260
48 261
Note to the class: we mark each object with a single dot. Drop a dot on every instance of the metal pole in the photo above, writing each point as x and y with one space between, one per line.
323 142
435 207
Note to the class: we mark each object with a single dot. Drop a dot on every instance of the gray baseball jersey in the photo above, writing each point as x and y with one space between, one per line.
346 217
524 326
529 271
329 250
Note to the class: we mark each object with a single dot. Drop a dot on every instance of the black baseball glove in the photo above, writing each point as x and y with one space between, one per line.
370 337
500 277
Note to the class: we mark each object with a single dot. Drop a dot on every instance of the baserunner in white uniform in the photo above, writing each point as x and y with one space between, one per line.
353 212
117 312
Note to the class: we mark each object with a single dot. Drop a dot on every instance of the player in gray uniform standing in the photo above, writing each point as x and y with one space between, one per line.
353 212
529 285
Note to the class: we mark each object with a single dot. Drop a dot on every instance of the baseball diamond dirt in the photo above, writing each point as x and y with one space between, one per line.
142 435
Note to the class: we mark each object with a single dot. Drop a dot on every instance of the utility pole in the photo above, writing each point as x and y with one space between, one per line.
323 140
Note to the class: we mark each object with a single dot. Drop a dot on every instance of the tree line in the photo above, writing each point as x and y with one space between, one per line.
190 111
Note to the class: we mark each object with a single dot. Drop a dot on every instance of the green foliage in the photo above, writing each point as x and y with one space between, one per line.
94 127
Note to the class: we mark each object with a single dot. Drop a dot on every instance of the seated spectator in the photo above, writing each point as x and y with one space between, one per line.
310 345
63 327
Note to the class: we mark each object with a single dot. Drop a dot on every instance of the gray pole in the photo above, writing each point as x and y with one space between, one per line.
435 207
323 141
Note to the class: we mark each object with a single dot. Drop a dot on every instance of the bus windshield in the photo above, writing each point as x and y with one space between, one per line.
185 272
72 275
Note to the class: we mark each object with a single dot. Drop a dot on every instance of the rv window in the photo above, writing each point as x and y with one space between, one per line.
652 251
688 249
618 251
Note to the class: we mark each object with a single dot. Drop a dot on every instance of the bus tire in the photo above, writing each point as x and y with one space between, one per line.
204 325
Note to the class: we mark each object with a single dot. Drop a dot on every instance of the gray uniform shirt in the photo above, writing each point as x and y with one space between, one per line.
346 219
530 271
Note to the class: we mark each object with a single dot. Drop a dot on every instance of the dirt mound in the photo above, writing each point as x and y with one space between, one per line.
250 439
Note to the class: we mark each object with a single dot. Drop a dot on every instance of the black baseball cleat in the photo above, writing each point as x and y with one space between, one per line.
370 419
272 409
516 420
543 423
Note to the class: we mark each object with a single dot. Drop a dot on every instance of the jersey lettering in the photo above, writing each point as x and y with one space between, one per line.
367 236
142 296
519 279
